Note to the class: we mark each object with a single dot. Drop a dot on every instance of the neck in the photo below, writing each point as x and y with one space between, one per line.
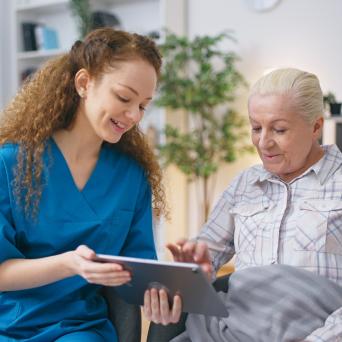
78 142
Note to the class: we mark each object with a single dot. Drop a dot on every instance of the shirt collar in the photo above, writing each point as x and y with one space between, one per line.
323 169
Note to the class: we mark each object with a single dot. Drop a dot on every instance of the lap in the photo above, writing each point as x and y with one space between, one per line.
82 336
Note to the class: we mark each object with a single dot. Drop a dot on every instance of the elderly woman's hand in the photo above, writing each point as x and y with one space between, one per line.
192 251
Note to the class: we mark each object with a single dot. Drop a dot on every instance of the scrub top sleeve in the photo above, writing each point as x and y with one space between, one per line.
8 249
140 241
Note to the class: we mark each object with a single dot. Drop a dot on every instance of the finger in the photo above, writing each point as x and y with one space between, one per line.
189 249
155 306
86 252
201 252
176 309
109 279
164 307
147 305
175 251
98 267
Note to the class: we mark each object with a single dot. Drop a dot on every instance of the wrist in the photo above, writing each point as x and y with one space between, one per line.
68 264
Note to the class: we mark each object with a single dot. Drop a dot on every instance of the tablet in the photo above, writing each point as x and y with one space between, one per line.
186 279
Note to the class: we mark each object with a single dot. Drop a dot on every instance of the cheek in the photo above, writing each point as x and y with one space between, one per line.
255 140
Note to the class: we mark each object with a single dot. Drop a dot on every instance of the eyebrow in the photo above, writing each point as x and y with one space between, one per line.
276 120
133 90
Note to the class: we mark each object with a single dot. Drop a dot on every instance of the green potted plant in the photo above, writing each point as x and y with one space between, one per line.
201 79
329 100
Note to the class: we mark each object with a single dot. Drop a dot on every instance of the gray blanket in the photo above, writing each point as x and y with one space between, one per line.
276 303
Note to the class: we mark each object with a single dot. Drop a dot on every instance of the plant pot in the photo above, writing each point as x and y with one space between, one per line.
335 108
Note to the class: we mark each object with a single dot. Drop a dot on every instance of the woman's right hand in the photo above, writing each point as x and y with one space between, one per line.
83 263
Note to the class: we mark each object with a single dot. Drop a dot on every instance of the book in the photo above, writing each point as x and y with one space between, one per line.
29 36
46 38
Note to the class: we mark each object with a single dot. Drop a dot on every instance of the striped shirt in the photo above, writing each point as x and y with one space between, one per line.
263 220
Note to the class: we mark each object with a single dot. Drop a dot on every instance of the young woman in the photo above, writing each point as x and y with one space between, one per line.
77 178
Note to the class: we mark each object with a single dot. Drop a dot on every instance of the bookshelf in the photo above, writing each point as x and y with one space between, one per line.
332 131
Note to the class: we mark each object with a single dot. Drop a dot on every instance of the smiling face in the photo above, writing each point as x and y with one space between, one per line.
115 102
287 144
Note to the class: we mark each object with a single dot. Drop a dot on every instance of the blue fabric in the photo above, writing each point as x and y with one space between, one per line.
112 215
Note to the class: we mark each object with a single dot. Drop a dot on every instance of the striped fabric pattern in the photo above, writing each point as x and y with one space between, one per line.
276 303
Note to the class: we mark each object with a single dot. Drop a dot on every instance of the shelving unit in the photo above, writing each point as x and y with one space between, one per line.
57 15
332 131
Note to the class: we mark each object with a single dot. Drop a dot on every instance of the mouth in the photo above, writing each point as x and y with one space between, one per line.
118 125
270 156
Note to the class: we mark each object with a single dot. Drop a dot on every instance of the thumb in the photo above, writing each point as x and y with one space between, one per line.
86 252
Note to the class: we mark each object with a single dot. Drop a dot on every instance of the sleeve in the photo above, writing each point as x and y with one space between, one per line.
330 332
219 230
140 240
8 249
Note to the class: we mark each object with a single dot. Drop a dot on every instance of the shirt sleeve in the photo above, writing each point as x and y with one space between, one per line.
8 248
330 332
140 241
219 230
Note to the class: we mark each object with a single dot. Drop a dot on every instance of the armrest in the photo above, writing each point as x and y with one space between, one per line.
125 317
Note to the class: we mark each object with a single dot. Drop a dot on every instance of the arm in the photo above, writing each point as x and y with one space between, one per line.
20 274
330 332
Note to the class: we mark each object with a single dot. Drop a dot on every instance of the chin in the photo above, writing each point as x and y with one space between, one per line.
112 140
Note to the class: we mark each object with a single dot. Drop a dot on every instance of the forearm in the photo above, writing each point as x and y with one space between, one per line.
20 274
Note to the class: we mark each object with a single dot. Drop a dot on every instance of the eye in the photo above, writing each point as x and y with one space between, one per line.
256 129
280 131
122 99
142 108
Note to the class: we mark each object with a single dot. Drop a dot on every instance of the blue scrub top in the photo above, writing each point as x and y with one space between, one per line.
112 215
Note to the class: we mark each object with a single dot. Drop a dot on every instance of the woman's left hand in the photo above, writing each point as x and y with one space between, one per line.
157 308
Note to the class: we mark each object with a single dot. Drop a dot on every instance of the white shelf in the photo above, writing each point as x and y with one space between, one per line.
40 54
41 7
337 119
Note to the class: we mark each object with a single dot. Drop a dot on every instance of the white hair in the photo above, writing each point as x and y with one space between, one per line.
302 87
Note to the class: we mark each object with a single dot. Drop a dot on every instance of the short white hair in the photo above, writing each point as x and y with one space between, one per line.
302 87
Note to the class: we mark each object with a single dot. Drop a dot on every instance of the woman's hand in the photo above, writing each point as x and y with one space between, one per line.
156 304
157 308
107 274
192 251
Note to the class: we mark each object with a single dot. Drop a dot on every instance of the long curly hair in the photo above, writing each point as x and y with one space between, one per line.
48 101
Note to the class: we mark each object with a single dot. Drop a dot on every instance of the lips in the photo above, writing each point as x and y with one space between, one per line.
118 126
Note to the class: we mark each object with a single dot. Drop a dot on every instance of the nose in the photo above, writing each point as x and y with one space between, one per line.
134 114
265 141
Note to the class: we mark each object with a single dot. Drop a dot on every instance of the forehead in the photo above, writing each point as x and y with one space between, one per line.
272 107
134 73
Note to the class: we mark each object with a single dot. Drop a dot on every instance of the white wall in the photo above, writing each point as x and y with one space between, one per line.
298 33
5 54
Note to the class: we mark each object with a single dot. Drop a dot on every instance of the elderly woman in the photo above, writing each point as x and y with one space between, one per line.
287 210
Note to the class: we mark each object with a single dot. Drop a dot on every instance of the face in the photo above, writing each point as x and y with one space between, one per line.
287 144
116 102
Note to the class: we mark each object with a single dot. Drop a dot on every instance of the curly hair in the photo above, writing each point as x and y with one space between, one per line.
47 102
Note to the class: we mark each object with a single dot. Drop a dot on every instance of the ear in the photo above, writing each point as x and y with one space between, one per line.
82 79
318 127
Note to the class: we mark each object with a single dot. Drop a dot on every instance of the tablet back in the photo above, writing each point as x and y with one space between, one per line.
198 295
